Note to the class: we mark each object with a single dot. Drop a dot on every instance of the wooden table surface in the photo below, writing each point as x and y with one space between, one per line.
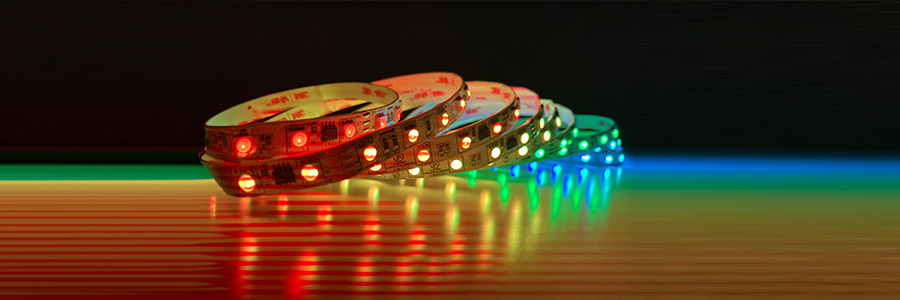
657 228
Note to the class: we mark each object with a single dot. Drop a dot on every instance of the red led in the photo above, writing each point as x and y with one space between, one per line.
413 136
299 139
462 103
445 119
465 143
349 130
369 153
516 113
309 172
243 145
423 155
497 128
376 167
246 183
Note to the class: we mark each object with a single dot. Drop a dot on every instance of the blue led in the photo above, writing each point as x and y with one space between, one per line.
582 174
609 159
622 157
612 145
556 169
598 149
585 157
494 169
532 166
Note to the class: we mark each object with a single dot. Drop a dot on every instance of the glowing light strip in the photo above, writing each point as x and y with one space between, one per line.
486 143
445 93
300 120
281 150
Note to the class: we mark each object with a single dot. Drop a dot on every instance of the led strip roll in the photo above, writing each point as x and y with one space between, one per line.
259 128
600 135
411 126
473 146
443 94
583 139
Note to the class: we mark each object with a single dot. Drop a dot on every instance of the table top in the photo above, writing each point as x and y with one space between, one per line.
660 227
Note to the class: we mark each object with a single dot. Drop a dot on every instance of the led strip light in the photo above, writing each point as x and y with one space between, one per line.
473 146
411 126
597 141
585 139
444 94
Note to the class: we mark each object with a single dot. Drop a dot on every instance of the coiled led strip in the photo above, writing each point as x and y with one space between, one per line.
474 146
284 172
259 129
583 139
322 134
597 142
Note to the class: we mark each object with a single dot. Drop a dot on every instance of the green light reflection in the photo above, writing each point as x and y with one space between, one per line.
534 199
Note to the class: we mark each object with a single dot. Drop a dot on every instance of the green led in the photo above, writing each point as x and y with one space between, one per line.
539 153
575 132
583 145
604 139
562 143
615 133
563 151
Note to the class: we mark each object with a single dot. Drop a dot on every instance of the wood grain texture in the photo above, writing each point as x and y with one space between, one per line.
624 234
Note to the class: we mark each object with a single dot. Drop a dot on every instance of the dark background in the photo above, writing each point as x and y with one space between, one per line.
685 76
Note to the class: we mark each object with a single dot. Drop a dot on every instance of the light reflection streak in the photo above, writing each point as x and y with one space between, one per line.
212 206
243 207
555 202
282 207
325 216
541 177
618 176
471 238
485 202
345 187
373 194
450 190
567 185
412 208
534 198
452 219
